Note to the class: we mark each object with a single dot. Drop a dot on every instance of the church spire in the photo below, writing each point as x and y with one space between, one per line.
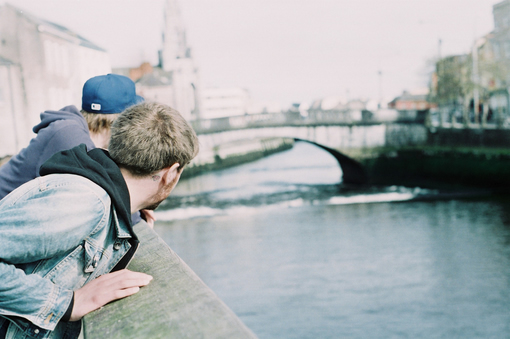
174 37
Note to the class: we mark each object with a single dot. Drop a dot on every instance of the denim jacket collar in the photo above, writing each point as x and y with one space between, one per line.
123 230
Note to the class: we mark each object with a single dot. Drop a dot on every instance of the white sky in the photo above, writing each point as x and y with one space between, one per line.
286 50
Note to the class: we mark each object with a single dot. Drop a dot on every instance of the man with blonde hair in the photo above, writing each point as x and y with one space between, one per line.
67 235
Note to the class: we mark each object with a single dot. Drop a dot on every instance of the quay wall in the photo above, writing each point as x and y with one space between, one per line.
450 157
439 167
469 137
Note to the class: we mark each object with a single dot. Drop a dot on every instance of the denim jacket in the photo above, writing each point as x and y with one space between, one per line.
58 232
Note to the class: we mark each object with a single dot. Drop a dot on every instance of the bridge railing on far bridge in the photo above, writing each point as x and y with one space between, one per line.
290 118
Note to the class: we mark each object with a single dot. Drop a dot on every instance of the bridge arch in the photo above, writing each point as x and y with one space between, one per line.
353 171
331 136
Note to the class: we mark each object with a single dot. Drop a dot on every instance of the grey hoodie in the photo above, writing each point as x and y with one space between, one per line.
57 131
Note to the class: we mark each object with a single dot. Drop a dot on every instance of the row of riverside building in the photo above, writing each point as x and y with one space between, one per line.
473 88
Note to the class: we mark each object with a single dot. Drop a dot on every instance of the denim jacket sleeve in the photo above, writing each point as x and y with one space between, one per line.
44 220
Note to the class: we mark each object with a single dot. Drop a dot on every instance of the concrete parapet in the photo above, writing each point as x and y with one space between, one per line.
176 304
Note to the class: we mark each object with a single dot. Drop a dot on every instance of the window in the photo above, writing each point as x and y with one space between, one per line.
496 50
48 55
506 47
56 58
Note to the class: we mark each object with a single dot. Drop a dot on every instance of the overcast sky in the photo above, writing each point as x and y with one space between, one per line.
286 50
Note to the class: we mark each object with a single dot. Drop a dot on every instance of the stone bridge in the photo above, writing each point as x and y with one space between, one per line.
336 134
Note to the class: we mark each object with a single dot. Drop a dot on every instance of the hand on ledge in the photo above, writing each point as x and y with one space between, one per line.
106 288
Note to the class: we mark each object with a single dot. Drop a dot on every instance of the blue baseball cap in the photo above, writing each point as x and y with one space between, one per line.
108 94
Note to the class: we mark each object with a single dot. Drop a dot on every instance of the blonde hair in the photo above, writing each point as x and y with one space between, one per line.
150 136
98 122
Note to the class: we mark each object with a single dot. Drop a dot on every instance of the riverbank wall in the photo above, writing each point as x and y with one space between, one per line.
438 167
448 157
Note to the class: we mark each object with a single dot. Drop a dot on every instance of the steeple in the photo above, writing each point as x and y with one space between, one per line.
174 37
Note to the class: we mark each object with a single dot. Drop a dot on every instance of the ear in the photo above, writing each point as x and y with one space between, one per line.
169 174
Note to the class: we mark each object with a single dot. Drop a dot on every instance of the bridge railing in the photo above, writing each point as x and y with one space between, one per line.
445 117
204 126
289 118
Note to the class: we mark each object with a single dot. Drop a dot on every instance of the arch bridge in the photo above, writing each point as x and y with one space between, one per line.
336 134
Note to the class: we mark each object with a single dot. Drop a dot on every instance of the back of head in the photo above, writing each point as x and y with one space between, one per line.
104 97
150 136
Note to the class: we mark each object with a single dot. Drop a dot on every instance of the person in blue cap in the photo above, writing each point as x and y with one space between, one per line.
104 98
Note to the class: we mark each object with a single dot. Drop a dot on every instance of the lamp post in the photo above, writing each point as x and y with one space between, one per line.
379 105
439 79
475 78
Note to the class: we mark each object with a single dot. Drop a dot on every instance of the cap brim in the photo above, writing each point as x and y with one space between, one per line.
139 99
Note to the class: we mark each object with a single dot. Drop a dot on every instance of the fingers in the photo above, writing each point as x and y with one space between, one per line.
149 216
106 288
119 294
124 279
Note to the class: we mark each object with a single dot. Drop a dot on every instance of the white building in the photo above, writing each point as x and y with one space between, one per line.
175 81
45 66
13 129
224 102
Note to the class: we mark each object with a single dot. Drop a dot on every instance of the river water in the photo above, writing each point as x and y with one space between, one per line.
297 255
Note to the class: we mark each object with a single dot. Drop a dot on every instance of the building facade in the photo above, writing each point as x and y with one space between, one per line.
501 34
225 102
175 81
336 109
474 88
46 66
411 106
499 98
13 129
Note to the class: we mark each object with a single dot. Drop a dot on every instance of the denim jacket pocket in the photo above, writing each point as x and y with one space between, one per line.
64 271
74 269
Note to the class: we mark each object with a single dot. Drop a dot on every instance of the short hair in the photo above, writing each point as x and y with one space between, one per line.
150 136
98 122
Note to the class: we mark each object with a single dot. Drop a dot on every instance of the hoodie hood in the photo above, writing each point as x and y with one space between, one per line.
66 113
97 166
